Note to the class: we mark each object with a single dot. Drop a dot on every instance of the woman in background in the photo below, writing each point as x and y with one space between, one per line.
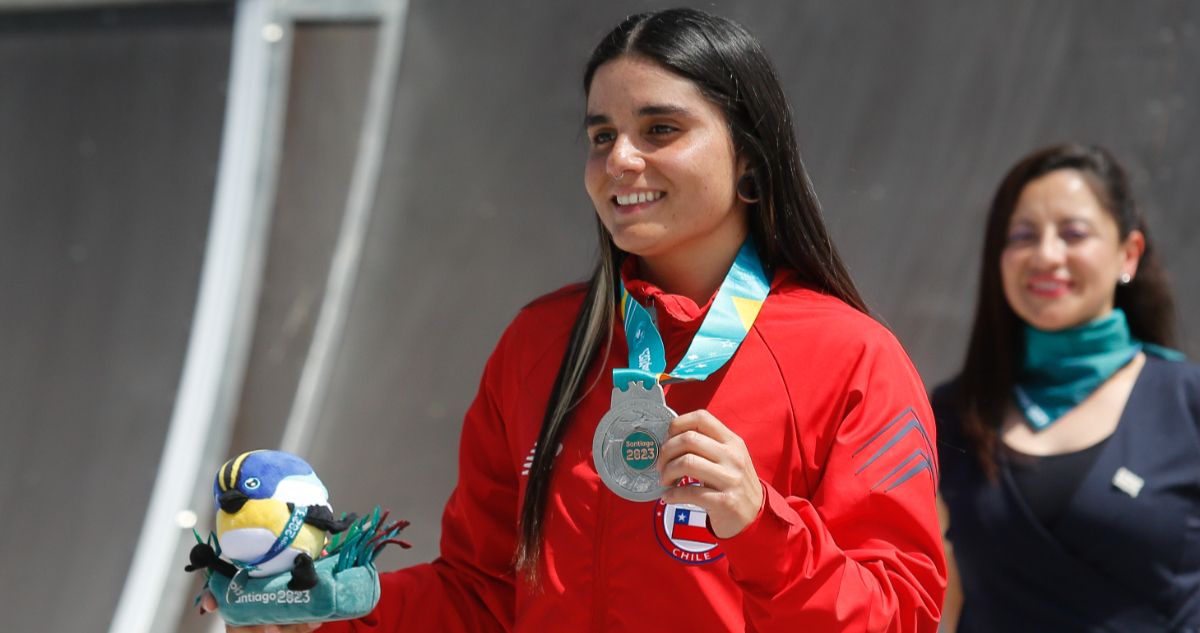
1070 453
805 436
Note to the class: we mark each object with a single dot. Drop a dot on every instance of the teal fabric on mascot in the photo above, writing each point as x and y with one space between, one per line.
347 594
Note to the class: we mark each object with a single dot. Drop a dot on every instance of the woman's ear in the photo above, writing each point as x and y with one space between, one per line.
1131 253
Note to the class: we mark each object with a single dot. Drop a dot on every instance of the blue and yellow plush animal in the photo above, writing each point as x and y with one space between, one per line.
272 516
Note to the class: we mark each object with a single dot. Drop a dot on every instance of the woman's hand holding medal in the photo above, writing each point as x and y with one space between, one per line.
701 447
695 445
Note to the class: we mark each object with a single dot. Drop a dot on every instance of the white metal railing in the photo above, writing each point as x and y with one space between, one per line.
231 278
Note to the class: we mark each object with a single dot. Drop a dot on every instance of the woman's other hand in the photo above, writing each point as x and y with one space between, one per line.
701 447
209 603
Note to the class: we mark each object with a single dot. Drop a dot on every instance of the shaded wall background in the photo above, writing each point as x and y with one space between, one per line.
110 127
907 114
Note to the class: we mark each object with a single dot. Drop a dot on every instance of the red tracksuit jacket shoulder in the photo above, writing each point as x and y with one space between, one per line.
839 428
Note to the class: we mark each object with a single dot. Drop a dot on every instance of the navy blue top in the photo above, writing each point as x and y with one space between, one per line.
1112 562
1047 482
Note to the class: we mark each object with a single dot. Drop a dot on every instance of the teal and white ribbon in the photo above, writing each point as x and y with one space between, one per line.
729 319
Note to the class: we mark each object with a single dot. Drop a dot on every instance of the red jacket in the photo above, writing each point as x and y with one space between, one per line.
840 432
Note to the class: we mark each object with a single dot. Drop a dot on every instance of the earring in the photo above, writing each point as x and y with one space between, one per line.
1125 279
750 194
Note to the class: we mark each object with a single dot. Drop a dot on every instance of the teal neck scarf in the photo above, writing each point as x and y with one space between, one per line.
1063 368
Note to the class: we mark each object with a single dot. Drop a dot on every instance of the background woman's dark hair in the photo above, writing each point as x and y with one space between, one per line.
996 351
731 69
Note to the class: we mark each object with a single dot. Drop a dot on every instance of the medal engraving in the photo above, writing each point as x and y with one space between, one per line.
628 439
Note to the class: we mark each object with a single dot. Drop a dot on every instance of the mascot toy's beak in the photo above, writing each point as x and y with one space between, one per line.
232 500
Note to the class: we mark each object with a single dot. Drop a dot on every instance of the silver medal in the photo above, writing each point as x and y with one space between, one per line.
628 440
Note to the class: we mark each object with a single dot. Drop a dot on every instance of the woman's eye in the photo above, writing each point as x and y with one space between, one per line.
600 138
1020 237
661 130
1073 235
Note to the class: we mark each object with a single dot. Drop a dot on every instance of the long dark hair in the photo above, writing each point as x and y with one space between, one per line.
731 69
997 348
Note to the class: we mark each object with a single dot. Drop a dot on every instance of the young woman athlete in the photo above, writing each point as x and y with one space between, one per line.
798 480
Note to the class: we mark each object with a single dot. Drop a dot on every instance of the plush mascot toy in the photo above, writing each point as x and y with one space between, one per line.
273 516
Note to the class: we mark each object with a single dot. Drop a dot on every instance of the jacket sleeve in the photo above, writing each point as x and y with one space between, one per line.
863 551
471 586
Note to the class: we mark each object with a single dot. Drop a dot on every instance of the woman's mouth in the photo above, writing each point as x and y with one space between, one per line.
1049 287
639 197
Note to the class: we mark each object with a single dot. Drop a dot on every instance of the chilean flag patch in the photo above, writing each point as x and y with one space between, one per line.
682 532
689 525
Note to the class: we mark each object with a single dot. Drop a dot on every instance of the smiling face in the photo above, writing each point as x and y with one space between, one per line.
661 168
1064 254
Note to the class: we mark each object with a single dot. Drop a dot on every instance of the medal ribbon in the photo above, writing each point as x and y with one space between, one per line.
289 534
729 319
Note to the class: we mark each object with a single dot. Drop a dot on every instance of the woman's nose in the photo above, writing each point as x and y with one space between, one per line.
1051 251
624 158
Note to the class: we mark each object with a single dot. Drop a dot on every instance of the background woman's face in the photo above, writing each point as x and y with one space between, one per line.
1064 254
677 192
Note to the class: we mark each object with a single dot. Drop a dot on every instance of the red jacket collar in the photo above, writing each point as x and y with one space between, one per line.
677 307
678 318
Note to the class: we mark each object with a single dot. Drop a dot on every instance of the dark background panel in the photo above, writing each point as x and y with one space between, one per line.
908 114
327 95
110 124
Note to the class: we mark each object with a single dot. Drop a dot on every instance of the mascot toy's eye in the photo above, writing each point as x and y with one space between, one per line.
252 483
